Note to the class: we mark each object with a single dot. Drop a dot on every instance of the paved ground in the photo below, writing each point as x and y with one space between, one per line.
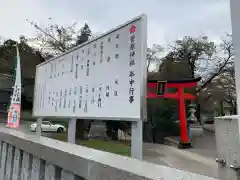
181 159
200 159
205 145
209 127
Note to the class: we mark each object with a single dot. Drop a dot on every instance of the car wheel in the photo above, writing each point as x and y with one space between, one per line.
60 130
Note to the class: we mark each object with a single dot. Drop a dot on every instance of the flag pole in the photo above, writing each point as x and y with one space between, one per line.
14 112
19 78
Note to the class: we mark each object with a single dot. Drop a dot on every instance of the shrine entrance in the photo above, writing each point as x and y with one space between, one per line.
161 90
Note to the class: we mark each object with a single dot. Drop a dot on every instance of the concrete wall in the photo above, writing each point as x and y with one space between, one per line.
228 146
30 157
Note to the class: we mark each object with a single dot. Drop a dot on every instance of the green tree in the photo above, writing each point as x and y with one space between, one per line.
85 33
30 58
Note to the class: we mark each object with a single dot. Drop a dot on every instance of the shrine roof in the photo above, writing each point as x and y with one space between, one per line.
178 81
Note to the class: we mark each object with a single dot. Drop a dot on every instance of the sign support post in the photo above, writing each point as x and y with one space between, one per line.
38 127
71 130
234 9
136 139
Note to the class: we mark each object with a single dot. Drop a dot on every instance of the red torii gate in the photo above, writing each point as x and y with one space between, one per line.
161 88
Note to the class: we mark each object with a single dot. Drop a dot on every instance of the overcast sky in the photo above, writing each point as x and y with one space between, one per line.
167 19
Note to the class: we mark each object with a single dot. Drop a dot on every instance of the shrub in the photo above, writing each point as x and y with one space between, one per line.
164 122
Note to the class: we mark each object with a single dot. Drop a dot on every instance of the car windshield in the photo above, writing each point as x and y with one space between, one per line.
46 122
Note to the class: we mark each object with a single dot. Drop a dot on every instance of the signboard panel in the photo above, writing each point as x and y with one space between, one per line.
104 78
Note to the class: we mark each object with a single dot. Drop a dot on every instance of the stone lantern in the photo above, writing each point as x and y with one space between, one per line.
192 111
195 127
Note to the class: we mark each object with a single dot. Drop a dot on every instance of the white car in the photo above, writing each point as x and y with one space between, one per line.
47 126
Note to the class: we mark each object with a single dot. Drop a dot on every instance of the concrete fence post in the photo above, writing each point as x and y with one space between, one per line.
228 147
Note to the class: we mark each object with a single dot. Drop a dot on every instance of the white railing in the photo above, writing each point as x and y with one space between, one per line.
28 157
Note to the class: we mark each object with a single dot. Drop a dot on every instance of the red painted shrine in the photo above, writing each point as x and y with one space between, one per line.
161 91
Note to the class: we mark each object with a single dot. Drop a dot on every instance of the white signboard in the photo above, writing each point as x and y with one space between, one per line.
104 78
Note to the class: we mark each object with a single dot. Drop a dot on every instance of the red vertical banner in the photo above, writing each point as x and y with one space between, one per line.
14 116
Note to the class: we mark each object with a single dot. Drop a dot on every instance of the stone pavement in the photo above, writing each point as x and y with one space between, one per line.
200 159
205 145
209 127
180 159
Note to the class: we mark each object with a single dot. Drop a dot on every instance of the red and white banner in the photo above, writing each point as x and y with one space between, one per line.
15 105
14 116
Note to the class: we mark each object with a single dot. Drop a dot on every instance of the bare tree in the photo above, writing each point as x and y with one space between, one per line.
220 62
223 90
220 68
204 59
55 39
153 57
